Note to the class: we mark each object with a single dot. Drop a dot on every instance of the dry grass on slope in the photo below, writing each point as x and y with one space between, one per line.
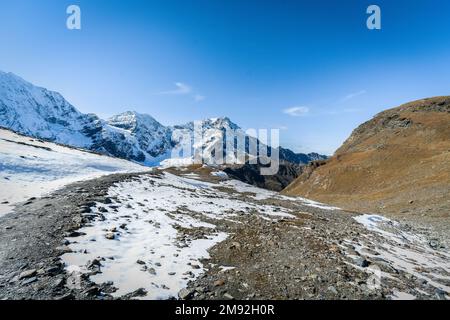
397 163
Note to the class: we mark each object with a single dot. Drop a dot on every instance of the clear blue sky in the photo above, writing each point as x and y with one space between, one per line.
249 60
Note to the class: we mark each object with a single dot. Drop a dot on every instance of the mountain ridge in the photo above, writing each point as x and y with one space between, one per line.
397 163
44 114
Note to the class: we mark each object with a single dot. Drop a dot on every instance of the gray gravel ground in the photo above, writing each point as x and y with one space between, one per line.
321 254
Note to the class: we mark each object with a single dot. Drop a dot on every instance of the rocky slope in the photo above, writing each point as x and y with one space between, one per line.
250 173
397 163
188 234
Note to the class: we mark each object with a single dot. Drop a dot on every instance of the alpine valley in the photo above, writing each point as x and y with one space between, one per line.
94 209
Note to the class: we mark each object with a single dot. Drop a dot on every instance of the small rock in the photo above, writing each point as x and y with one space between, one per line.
228 296
141 292
219 283
235 245
110 236
27 274
361 262
64 249
332 290
152 271
58 282
441 294
52 270
93 264
92 291
334 248
433 243
29 280
185 294
68 296
75 234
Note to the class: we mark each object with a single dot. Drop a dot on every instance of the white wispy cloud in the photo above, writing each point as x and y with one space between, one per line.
296 111
181 88
353 95
199 97
184 89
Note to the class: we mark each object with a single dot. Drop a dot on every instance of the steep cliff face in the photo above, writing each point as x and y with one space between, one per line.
398 162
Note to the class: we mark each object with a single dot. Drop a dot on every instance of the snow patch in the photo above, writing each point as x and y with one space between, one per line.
32 168
406 251
146 226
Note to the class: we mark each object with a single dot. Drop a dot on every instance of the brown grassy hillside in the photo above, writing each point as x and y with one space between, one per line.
397 163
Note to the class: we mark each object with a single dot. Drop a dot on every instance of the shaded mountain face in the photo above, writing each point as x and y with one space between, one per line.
398 162
45 114
151 135
250 173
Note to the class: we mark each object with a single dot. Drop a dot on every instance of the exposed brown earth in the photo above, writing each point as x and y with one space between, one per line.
397 164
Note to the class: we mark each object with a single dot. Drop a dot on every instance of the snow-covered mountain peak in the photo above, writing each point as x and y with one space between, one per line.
10 79
14 87
132 120
45 114
220 123
39 112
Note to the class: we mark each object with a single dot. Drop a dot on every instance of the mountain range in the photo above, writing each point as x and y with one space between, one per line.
41 113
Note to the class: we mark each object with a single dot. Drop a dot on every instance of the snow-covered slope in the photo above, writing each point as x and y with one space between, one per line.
45 114
148 252
39 112
208 134
31 168
152 137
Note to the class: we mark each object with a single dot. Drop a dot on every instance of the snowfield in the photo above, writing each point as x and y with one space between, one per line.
32 168
144 218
